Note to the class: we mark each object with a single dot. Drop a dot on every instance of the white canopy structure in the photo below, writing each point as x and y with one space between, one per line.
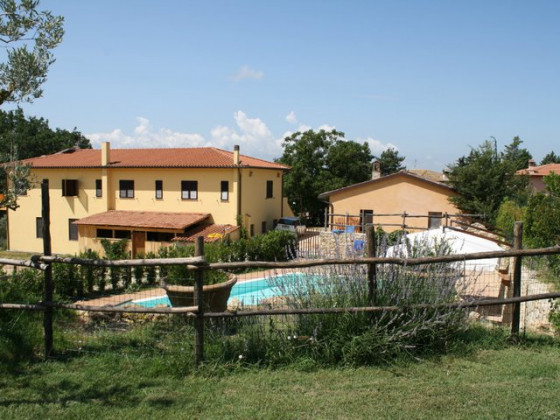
458 242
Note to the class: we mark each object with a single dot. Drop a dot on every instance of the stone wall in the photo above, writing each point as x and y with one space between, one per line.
342 245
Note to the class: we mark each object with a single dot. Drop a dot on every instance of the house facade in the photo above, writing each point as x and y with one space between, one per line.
152 197
383 200
536 173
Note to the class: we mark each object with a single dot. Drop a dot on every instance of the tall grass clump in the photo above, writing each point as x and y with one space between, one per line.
416 324
20 331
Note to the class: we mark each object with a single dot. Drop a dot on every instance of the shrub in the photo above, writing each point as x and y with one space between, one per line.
20 331
116 250
542 226
357 338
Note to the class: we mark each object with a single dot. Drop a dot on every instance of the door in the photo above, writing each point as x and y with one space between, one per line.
138 243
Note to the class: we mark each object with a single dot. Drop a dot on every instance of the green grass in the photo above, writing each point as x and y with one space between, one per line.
490 379
16 255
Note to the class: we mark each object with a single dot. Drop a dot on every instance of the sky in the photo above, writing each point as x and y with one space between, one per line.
432 79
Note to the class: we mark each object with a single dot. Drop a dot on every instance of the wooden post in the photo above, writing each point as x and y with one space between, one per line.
48 282
198 296
517 244
372 268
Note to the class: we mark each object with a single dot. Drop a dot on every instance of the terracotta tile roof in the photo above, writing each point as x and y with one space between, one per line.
373 182
541 170
195 157
429 175
144 219
211 233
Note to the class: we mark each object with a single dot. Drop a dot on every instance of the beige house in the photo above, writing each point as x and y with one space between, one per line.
536 174
421 194
152 197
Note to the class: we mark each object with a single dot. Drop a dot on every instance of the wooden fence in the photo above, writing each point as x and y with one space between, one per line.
200 265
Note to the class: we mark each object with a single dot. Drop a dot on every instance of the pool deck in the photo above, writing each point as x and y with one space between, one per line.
116 300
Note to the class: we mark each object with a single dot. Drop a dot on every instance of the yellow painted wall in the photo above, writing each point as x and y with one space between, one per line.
22 225
208 200
256 208
22 232
394 195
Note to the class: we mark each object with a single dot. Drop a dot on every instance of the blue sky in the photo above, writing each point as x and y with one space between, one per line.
431 78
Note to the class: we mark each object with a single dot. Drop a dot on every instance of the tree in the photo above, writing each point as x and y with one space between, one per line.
348 163
484 178
550 158
390 161
22 138
515 156
321 161
29 36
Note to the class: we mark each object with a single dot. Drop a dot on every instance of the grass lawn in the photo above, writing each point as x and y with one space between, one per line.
16 255
515 381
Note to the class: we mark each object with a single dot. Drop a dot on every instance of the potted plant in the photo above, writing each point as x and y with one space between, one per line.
180 288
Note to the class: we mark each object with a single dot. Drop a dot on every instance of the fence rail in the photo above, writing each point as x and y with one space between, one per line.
200 266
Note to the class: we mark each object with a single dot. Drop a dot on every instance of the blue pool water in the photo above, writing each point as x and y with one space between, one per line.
250 292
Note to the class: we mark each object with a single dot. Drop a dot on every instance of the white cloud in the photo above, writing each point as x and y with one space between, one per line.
145 136
376 146
246 72
291 118
252 134
326 127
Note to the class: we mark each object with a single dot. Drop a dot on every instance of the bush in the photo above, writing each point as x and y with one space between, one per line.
509 212
542 226
356 338
20 331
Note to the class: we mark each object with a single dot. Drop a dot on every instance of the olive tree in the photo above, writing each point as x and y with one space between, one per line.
28 36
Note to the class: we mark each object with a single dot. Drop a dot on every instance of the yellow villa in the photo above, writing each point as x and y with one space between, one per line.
383 199
152 197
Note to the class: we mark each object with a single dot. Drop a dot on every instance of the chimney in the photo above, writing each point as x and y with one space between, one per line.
105 153
376 170
236 154
531 163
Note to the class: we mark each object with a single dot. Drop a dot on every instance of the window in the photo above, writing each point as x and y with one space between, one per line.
122 234
189 190
269 188
69 187
72 230
98 188
39 227
104 233
159 190
224 188
434 219
126 189
252 230
159 236
367 217
263 227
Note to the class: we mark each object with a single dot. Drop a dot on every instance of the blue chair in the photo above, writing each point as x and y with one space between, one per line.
350 229
359 245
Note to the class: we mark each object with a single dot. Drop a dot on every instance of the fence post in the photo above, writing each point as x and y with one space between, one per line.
372 268
198 296
48 280
517 244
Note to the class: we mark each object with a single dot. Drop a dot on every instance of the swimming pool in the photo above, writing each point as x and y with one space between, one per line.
248 293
